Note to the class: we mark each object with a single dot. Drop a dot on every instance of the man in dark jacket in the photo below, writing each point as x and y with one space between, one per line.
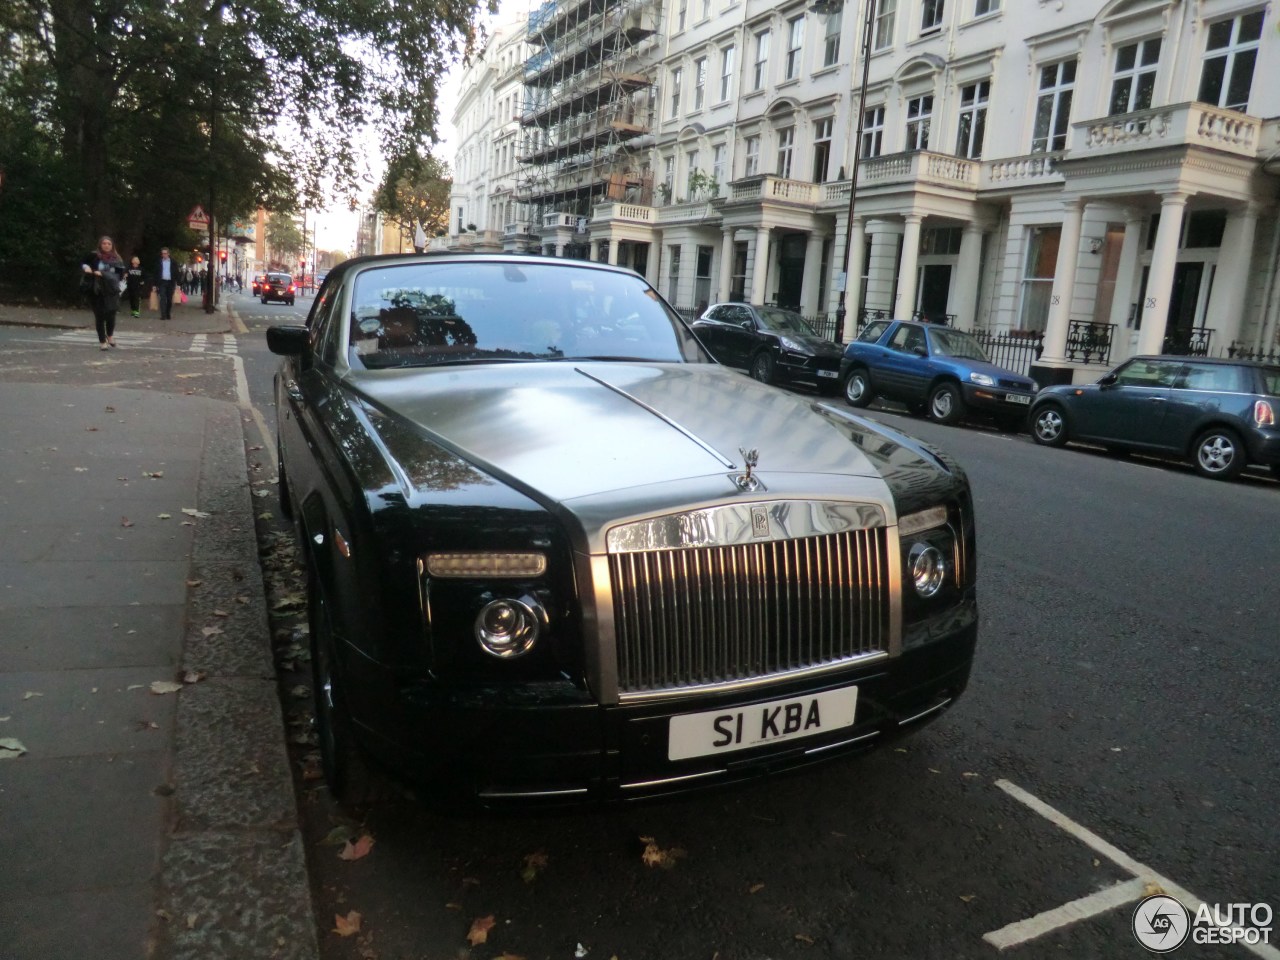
166 277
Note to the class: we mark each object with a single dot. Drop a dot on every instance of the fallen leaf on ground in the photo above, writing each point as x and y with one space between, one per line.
82 469
256 446
92 429
11 749
165 686
300 692
194 583
193 512
346 926
358 850
453 906
192 676
655 856
755 888
32 693
804 938
533 863
508 956
338 836
479 932
126 522
186 376
164 516
221 613
580 952
109 410
968 774
266 515
967 897
262 493
153 474
5 719
211 631
1153 889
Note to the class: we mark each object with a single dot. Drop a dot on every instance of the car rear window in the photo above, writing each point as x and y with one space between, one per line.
419 314
1212 376
1271 381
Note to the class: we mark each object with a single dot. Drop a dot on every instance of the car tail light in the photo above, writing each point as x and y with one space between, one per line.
291 288
1263 415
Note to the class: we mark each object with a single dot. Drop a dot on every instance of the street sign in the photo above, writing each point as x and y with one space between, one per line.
197 217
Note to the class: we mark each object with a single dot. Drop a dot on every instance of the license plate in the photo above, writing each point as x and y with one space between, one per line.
1017 398
829 373
724 731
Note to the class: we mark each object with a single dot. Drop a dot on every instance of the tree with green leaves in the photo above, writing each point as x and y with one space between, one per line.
121 115
415 191
284 239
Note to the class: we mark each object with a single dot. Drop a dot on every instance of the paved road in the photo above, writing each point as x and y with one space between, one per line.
1123 694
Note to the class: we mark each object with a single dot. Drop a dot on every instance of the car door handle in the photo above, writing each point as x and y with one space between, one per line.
291 387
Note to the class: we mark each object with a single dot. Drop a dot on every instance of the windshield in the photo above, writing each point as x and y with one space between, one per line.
784 321
423 314
953 343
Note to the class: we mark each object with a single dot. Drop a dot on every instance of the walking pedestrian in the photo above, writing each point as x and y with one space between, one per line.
133 285
108 273
166 277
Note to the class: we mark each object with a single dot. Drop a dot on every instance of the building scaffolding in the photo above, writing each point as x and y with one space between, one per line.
589 104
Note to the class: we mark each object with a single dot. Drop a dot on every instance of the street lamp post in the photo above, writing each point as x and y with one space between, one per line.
868 26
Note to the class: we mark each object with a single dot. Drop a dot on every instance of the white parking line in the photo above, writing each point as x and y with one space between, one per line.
1117 896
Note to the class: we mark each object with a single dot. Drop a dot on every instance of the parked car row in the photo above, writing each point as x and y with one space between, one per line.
1219 415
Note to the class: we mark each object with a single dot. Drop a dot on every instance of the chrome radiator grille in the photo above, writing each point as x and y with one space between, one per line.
712 615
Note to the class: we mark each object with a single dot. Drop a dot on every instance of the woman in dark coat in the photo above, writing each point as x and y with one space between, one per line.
108 271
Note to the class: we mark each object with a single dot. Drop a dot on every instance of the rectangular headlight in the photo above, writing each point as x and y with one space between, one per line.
923 520
486 564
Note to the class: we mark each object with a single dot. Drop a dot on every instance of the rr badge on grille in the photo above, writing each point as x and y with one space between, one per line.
760 521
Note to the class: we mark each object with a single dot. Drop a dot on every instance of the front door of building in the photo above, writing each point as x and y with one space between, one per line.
935 287
791 270
1183 301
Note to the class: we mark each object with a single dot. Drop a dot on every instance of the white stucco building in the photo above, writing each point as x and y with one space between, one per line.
1102 173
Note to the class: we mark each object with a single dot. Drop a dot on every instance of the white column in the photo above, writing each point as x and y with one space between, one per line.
1164 258
760 266
812 274
968 266
560 248
654 263
853 282
726 265
595 251
1126 274
907 266
1064 282
614 244
1225 313
884 264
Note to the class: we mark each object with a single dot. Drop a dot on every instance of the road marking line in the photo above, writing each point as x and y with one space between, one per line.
246 404
1019 933
237 325
1122 860
199 343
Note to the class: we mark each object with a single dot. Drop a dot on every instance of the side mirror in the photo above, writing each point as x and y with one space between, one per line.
291 340
1108 380
747 325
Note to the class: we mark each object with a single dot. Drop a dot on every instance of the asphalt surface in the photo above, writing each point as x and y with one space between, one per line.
1123 694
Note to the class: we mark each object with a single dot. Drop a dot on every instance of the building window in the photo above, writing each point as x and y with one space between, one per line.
795 43
726 72
786 146
682 13
831 38
1230 54
676 76
973 119
1135 76
872 131
702 277
1037 279
1053 107
761 67
718 166
885 24
919 113
673 272
699 82
752 165
983 7
706 9
930 16
691 171
668 177
821 149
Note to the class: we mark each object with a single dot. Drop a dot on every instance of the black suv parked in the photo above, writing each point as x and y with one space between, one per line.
1218 414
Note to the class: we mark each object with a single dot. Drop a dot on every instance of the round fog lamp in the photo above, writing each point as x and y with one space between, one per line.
928 569
507 628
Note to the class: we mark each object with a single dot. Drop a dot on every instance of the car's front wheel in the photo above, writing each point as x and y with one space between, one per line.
1219 454
349 778
857 388
945 403
762 366
1049 426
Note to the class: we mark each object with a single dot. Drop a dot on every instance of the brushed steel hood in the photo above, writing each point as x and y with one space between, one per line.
578 429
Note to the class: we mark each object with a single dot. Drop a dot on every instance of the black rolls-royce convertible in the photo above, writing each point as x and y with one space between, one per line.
556 553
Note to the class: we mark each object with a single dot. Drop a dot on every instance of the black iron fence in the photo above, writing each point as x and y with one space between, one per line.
1189 342
1090 342
1239 351
1014 350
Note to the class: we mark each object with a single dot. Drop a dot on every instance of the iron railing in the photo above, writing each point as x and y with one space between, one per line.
1014 350
1238 351
930 316
1188 342
1090 342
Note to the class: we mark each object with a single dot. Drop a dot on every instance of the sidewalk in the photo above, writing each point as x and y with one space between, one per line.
142 821
188 318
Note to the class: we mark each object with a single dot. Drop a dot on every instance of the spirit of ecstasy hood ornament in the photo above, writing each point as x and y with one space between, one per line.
747 480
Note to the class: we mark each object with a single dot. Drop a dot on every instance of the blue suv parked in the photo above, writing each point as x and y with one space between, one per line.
935 370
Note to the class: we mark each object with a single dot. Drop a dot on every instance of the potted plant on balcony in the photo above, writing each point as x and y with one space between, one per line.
703 186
